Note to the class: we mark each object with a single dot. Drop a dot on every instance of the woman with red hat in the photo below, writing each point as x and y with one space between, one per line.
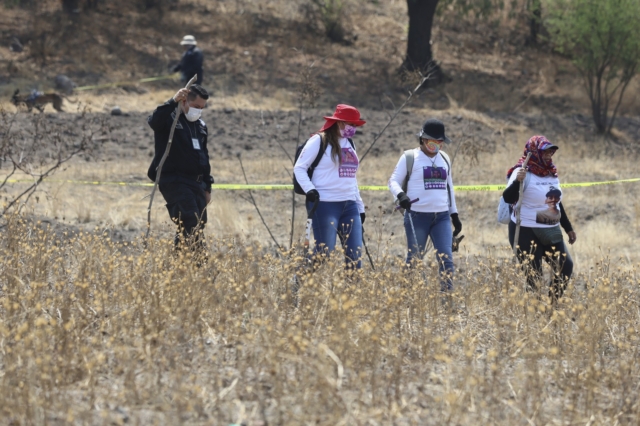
333 184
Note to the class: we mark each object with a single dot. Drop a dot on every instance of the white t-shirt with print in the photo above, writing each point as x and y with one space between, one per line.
540 201
334 181
428 183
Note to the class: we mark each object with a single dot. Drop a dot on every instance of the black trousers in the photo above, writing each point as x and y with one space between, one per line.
186 205
530 245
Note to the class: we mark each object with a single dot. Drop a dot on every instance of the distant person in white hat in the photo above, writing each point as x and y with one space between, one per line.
191 62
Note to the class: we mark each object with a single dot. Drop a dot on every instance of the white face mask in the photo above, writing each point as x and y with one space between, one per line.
193 114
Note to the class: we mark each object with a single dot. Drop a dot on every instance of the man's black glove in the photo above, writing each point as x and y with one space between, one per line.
313 196
363 216
404 201
457 225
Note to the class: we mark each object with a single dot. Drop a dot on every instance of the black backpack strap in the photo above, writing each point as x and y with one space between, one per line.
352 144
323 147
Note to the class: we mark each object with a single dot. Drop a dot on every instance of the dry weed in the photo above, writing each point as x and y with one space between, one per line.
96 332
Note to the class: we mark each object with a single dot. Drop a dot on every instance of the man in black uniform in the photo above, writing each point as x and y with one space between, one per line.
185 181
191 62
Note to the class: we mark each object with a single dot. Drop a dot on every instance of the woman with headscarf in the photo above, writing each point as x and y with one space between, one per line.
333 184
540 232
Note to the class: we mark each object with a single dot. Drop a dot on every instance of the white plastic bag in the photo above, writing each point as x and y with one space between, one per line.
504 212
504 209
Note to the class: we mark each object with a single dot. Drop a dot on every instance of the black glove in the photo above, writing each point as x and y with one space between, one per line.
457 225
363 216
313 196
404 201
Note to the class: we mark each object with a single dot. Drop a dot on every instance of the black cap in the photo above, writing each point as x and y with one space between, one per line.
433 129
545 144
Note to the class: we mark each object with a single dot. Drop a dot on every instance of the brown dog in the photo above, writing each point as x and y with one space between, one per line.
38 100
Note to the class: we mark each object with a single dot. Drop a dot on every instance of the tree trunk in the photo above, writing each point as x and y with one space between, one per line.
535 21
599 119
419 55
70 6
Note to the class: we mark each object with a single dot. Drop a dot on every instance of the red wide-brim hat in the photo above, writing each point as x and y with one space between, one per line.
345 113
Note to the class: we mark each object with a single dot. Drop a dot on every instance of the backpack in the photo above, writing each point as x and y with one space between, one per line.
505 209
408 158
296 186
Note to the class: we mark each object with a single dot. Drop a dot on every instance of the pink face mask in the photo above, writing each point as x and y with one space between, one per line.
348 132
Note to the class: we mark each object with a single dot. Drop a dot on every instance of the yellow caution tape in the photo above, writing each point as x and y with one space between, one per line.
82 182
604 182
128 83
276 187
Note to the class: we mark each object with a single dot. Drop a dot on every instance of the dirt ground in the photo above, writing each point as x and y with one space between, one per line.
484 146
258 59
256 53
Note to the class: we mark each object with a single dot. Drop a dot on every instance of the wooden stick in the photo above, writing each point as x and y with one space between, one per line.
164 157
308 227
518 205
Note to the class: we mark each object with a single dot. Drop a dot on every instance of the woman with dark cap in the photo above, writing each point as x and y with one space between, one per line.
334 185
423 175
540 232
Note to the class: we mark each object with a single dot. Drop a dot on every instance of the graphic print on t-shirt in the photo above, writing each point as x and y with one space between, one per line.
435 177
349 165
550 215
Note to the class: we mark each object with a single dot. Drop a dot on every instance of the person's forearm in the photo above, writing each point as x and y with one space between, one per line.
512 193
564 220
161 117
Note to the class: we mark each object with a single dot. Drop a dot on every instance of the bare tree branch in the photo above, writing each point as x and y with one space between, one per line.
413 92
253 201
28 149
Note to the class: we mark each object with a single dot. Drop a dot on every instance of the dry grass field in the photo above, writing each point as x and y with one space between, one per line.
97 328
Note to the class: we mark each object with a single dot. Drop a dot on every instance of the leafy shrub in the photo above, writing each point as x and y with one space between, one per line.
330 13
602 38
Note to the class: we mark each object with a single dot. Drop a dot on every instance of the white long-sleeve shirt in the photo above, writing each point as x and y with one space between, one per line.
430 182
334 181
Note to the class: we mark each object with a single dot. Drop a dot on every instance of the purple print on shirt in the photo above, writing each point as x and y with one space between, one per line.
349 165
435 177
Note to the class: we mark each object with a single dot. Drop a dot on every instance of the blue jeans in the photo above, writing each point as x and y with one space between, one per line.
340 218
438 227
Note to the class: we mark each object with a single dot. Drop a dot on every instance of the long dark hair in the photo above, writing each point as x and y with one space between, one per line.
331 136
